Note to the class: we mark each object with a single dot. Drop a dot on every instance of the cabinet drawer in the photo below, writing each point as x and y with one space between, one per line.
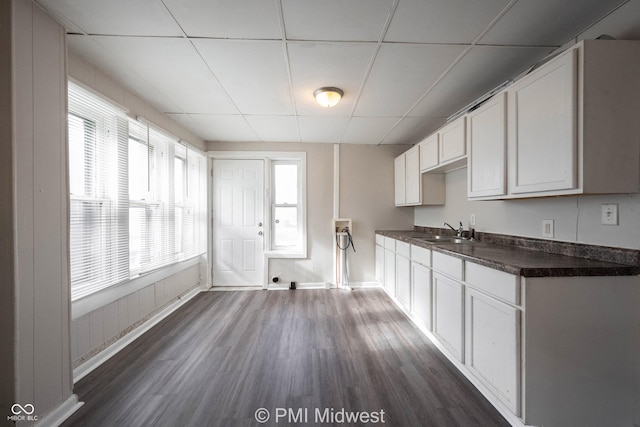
498 283
390 243
403 249
421 255
379 239
448 265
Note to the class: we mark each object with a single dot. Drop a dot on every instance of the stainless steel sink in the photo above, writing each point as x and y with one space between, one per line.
444 239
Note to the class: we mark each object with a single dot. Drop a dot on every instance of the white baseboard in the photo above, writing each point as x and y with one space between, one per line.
60 413
97 360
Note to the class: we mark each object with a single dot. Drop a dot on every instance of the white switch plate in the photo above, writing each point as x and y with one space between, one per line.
547 228
472 220
610 214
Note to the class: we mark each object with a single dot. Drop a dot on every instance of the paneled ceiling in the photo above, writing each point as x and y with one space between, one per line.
245 70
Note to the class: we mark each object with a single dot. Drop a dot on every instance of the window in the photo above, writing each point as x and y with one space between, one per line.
137 196
288 231
98 198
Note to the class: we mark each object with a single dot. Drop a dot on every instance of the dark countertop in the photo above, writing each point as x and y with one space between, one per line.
514 260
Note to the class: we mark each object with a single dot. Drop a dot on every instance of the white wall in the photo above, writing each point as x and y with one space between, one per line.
7 272
576 219
42 347
366 195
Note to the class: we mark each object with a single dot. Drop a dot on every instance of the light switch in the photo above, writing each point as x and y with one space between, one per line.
610 214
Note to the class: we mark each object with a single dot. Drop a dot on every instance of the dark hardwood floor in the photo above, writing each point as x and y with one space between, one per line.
224 355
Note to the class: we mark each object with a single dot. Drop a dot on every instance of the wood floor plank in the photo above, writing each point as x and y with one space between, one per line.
224 355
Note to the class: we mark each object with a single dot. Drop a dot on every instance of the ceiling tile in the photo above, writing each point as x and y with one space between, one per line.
480 70
173 68
353 20
122 17
217 127
623 24
314 65
546 22
236 19
322 129
275 128
368 130
87 48
412 130
253 73
442 21
400 75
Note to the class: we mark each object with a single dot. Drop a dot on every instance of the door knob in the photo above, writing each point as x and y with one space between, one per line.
277 221
259 224
259 233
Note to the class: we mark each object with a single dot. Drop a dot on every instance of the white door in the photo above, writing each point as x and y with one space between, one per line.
238 209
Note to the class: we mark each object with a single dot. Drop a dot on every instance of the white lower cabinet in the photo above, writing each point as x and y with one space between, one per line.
552 351
390 271
421 293
447 313
403 274
380 263
403 281
492 346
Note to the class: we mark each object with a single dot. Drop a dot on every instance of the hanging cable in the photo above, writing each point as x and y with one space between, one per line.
349 241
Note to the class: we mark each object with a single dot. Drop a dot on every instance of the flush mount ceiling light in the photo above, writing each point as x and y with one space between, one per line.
328 96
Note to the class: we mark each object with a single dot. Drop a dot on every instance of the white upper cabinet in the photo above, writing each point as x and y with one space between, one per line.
445 150
542 128
400 183
573 123
412 176
486 149
452 141
413 188
429 153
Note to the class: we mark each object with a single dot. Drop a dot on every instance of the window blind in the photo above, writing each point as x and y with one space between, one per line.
137 196
99 254
166 211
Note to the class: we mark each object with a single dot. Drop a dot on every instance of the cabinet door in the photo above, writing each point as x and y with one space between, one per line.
486 149
492 351
453 140
421 293
380 263
447 314
390 272
542 128
399 179
429 153
412 176
403 281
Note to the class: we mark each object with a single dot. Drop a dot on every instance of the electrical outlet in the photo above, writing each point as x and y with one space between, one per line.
547 228
610 214
472 220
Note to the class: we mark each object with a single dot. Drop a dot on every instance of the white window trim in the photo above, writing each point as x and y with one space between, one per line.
267 157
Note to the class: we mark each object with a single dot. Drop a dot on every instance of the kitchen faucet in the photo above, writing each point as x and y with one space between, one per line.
459 231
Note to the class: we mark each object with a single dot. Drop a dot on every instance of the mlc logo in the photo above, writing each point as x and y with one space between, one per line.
22 413
18 409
